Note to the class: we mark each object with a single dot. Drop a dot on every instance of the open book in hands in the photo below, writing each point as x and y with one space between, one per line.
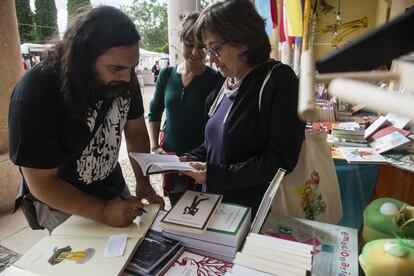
159 163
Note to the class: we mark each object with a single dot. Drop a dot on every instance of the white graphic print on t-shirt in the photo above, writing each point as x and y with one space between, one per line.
90 121
100 157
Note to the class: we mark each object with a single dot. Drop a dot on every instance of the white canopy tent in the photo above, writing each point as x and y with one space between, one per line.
27 48
147 59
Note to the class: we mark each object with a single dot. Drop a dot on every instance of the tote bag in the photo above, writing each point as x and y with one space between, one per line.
311 190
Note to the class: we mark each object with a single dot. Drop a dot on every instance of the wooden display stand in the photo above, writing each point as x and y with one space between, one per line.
395 183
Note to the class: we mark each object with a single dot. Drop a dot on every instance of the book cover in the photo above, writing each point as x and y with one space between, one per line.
191 264
78 245
159 163
152 250
160 268
387 130
336 154
192 212
266 202
361 155
335 247
389 141
379 123
397 120
322 126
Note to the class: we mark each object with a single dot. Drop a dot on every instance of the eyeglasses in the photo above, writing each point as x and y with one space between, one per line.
214 50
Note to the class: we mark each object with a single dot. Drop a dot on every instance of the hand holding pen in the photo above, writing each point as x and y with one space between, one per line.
122 211
133 208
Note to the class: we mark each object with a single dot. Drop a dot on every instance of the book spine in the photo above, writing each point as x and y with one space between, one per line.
349 144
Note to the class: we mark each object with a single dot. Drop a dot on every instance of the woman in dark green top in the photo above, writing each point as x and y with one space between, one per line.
182 91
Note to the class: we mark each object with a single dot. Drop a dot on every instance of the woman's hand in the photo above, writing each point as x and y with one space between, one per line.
184 158
146 191
199 176
158 150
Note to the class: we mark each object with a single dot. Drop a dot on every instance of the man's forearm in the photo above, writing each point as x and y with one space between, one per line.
137 140
46 186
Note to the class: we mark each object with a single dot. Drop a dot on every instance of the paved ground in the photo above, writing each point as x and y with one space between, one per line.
123 156
16 237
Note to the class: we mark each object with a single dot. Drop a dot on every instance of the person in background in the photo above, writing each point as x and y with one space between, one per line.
156 70
245 145
181 91
138 73
66 119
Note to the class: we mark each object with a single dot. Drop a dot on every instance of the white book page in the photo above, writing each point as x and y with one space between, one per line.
158 162
90 261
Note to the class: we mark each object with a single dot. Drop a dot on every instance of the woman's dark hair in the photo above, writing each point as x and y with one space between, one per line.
90 34
238 23
187 31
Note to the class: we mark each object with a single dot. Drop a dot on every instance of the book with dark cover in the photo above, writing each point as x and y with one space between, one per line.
160 268
153 249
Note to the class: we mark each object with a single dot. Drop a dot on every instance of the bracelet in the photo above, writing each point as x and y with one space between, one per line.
155 147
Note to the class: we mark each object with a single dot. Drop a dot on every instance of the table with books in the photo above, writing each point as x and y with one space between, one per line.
200 235
362 158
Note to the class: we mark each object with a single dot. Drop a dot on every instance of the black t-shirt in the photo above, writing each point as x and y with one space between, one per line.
44 135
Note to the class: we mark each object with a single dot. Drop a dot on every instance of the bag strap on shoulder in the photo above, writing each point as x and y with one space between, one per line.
266 79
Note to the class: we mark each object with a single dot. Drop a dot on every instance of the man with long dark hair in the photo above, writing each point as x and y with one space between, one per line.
66 119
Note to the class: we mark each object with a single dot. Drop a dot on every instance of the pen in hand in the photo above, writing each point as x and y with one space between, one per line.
133 208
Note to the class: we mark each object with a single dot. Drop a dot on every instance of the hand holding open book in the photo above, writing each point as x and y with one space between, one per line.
159 163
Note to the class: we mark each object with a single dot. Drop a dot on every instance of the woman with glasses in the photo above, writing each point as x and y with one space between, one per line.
248 137
181 91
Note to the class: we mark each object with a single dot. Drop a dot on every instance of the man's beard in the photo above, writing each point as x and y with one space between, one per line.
114 89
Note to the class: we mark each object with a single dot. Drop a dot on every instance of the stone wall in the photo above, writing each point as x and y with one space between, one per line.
11 69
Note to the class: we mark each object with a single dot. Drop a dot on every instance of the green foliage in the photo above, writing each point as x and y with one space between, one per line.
45 20
25 18
152 23
73 5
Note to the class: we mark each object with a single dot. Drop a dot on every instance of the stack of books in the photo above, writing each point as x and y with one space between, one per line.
223 236
335 248
348 134
274 256
326 110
